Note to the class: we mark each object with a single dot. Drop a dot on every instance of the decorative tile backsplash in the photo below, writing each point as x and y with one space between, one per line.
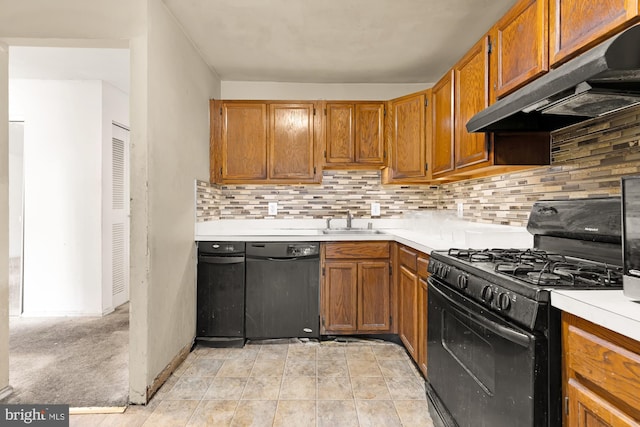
340 191
587 161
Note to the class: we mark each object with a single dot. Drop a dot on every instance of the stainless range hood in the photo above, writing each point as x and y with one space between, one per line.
600 81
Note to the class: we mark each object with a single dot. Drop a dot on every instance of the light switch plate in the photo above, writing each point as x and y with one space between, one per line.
460 210
273 208
375 209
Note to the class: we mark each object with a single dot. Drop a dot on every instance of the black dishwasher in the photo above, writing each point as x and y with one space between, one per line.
283 290
220 294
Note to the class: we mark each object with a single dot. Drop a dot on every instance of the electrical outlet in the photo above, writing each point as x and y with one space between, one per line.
460 210
273 208
375 209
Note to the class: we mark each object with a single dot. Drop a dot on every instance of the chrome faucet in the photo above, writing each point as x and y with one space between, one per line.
349 218
329 223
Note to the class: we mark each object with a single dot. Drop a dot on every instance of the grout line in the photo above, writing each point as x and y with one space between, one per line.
235 410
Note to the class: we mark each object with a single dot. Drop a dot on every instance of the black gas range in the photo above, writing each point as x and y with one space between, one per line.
493 337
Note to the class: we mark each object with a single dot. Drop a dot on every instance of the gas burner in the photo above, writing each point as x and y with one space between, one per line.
542 278
514 268
594 275
481 257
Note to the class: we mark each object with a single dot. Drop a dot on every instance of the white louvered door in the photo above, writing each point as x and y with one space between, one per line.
120 215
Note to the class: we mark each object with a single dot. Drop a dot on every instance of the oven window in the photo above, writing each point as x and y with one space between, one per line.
470 349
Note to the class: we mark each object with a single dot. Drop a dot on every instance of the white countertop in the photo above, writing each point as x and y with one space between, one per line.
424 232
434 231
607 308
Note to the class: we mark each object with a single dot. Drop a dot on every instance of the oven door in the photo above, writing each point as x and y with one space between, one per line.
483 369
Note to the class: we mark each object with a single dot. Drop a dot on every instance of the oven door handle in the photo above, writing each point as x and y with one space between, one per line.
505 332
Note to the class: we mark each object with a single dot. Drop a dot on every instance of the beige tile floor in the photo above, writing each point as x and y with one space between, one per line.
359 383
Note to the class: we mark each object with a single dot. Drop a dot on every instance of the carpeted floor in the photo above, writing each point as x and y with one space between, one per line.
80 361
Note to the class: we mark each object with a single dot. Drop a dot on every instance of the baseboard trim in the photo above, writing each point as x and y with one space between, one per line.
6 391
167 371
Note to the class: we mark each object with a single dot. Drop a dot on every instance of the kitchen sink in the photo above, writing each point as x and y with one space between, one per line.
351 231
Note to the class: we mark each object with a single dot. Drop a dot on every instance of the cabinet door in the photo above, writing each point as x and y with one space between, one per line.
291 141
408 148
369 133
471 96
521 45
408 310
587 409
423 304
339 297
373 296
442 143
575 25
340 133
244 141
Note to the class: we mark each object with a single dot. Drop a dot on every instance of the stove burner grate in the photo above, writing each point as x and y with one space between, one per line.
543 268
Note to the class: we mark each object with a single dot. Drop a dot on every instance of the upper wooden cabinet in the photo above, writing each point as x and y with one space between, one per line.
442 112
258 141
292 142
456 153
407 143
471 94
576 25
601 375
239 141
521 45
354 134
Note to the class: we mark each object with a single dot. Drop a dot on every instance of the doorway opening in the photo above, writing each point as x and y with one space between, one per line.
69 226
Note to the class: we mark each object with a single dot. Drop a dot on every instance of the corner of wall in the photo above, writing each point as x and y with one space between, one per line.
4 218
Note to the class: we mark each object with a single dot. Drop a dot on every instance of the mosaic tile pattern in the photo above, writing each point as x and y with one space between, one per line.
339 191
587 161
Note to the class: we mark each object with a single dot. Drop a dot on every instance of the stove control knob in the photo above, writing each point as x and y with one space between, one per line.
504 302
487 293
447 269
463 281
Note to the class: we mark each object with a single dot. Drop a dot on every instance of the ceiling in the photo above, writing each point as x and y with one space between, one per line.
70 63
335 41
297 41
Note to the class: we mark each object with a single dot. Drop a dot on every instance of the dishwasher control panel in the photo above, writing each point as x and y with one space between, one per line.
298 250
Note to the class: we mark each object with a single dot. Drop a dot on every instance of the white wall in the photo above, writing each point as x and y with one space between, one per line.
16 161
62 202
305 91
67 137
4 220
180 85
115 108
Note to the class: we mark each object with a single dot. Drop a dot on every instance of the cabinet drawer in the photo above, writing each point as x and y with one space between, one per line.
356 250
601 359
408 258
423 264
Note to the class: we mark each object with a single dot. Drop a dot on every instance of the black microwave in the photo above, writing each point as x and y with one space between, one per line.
631 236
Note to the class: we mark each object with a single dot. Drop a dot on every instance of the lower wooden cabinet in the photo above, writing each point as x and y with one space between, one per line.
355 291
423 304
412 303
408 312
601 371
